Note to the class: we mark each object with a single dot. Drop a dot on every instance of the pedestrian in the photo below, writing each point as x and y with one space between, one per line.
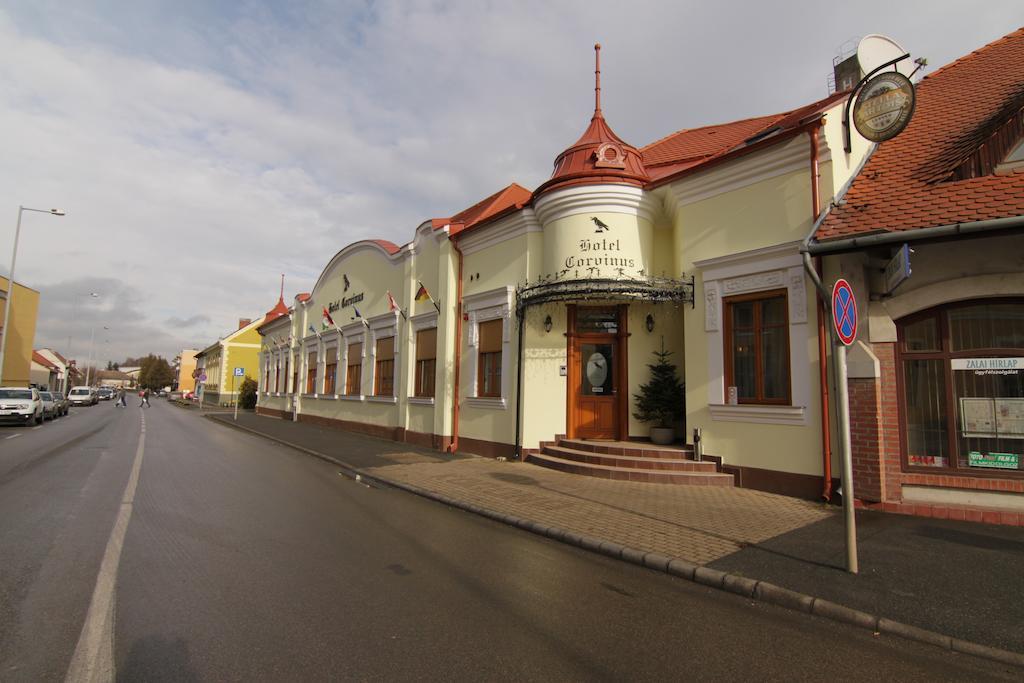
121 397
145 397
142 397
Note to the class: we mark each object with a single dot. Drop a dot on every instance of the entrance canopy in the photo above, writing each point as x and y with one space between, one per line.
651 289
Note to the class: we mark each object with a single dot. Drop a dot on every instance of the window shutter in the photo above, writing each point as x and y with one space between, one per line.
386 349
355 353
426 344
490 336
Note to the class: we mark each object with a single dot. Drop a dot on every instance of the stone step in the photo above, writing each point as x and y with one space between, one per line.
631 473
636 449
677 464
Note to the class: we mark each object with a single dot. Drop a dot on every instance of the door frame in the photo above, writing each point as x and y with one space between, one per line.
573 341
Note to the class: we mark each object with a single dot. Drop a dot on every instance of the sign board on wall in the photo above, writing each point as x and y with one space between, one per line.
898 268
844 312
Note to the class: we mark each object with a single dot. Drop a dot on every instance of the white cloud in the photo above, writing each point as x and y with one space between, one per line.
201 149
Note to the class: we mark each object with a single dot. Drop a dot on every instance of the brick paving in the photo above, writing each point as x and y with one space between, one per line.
699 524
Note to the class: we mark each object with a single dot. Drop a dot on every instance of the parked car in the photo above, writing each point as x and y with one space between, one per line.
20 405
61 401
82 396
49 405
105 393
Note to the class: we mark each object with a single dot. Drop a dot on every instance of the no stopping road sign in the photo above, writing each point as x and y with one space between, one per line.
844 311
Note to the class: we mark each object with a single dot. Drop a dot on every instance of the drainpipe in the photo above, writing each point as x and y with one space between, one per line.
454 445
521 318
826 427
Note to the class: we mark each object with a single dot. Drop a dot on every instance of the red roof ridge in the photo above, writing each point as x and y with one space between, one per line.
389 247
973 53
512 196
42 360
710 125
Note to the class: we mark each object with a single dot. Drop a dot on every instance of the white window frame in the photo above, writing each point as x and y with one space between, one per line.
480 308
382 327
423 321
351 334
776 267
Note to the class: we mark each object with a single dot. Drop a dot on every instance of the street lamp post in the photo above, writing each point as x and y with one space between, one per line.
67 373
10 281
92 351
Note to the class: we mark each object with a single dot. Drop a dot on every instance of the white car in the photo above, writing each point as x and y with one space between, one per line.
82 396
19 405
49 405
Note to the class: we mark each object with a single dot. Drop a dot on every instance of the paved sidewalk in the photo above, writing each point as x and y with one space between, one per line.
957 578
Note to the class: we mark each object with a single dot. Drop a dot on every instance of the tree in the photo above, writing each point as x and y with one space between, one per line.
247 393
663 399
155 372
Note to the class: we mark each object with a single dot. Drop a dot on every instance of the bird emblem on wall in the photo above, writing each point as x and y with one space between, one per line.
601 225
344 277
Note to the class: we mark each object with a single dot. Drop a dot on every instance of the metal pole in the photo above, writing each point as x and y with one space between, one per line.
92 347
844 439
235 395
10 296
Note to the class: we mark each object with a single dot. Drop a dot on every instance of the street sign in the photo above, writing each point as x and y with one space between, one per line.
239 372
844 312
202 377
898 268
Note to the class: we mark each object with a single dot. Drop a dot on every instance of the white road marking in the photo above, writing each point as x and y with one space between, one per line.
94 655
12 436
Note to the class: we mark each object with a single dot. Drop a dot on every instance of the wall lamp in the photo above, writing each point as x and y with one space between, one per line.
650 323
547 324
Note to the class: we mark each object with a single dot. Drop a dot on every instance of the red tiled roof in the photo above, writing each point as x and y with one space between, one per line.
512 197
689 148
907 182
302 296
389 247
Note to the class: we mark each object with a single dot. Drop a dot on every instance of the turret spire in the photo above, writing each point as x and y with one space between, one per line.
597 79
282 286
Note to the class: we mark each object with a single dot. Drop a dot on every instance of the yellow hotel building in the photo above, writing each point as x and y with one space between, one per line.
18 353
523 326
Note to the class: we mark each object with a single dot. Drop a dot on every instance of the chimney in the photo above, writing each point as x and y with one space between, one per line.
242 322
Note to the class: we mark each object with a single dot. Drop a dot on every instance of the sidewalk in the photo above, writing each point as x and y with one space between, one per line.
960 579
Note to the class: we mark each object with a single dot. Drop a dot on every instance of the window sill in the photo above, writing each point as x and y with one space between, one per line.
350 397
421 400
762 414
491 402
382 399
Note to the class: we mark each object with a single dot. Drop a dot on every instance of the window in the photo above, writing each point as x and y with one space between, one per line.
962 388
384 371
426 358
311 373
295 376
277 376
331 371
488 382
354 371
757 347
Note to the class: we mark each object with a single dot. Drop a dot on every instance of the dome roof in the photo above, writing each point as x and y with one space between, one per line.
599 156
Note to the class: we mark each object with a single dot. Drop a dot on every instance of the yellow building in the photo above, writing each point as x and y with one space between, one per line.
240 349
17 365
186 380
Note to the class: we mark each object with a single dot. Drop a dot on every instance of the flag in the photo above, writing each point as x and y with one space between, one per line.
359 316
328 320
313 330
423 295
392 306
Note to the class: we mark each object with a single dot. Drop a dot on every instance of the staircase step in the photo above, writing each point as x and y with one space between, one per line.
677 464
631 473
632 449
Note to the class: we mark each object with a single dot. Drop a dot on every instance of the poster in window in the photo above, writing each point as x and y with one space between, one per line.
977 417
1009 414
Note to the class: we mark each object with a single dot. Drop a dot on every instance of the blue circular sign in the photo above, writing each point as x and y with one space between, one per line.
844 311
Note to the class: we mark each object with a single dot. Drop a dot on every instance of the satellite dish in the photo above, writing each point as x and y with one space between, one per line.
874 50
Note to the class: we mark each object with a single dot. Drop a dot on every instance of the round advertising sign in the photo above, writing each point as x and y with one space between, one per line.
844 311
884 106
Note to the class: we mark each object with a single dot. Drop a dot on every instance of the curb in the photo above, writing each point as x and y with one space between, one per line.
752 589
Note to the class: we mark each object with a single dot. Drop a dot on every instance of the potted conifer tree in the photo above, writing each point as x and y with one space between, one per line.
662 400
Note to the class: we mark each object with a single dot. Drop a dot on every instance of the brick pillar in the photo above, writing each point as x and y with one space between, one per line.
866 438
889 421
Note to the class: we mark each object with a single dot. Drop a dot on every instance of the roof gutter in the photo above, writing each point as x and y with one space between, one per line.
915 235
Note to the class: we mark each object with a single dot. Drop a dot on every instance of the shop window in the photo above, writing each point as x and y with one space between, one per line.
354 370
426 359
962 372
384 368
489 359
757 347
311 373
331 372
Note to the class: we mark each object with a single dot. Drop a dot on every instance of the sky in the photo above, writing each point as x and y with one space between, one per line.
202 149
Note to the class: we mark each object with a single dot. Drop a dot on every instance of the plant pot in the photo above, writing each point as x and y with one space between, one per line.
662 435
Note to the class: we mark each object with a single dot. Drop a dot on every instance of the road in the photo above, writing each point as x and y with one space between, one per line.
225 557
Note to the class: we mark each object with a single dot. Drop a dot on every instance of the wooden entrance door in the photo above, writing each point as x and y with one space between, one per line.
597 372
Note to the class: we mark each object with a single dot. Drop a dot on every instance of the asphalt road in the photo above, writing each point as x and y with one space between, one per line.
245 560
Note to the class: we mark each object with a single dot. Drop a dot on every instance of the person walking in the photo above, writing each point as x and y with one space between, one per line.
145 397
121 398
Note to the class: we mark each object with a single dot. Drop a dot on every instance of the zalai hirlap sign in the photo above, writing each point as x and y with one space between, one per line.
989 366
